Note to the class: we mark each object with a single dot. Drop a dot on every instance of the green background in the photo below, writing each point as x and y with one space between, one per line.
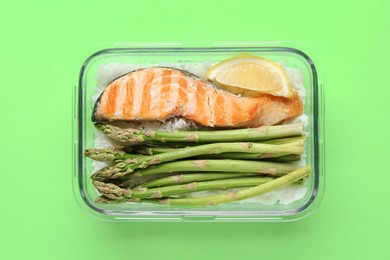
43 44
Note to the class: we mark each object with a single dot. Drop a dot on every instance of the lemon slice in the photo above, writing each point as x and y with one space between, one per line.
250 76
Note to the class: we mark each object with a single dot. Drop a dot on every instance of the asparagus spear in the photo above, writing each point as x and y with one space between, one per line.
234 166
191 177
114 192
163 148
239 195
115 154
101 155
111 191
143 180
223 184
129 165
276 157
156 150
251 134
285 158
287 140
295 141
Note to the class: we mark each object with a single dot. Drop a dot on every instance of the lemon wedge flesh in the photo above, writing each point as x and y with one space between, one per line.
250 76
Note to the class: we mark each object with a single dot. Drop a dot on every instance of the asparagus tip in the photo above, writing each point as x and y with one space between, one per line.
106 154
112 191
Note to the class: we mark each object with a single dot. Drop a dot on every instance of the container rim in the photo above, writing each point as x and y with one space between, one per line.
222 215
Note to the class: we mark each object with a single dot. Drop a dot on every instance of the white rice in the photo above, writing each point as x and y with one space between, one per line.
109 72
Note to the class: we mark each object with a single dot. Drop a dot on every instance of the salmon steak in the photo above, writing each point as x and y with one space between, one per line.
160 93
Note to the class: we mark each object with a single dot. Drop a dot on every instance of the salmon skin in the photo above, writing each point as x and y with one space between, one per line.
160 93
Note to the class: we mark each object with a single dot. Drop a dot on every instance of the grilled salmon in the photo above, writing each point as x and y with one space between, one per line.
159 93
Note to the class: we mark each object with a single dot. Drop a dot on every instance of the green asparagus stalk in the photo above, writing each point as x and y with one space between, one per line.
114 192
251 134
101 155
238 195
234 166
193 177
143 180
284 140
260 156
156 150
146 150
253 156
287 140
129 165
283 159
116 153
160 149
163 148
222 184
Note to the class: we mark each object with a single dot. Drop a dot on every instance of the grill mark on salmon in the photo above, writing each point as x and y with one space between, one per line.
165 92
126 110
182 90
227 110
219 110
138 91
110 103
198 112
173 94
147 92
159 93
